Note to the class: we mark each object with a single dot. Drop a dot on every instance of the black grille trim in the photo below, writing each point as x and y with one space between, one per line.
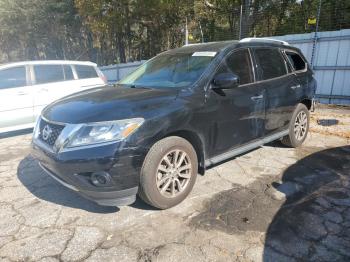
55 132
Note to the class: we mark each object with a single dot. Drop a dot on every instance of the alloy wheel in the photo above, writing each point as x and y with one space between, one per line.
173 173
300 125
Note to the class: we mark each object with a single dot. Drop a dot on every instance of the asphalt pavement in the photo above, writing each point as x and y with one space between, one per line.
271 204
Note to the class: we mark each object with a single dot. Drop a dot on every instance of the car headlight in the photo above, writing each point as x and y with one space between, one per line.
102 132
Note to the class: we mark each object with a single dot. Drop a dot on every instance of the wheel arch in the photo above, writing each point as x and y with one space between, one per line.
194 139
307 102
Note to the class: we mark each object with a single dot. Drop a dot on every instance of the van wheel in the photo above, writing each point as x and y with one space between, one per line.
168 173
298 127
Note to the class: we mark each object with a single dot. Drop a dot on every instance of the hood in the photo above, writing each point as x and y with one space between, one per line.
108 104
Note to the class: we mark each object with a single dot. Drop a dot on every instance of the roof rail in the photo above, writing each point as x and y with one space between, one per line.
264 40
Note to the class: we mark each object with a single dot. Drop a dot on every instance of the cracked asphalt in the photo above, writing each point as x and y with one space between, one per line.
271 204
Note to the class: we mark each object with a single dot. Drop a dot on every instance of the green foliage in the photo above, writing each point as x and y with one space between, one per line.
116 31
38 29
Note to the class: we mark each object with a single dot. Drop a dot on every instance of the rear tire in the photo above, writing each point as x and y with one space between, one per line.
168 173
298 127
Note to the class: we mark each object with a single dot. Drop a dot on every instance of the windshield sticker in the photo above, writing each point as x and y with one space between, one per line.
206 53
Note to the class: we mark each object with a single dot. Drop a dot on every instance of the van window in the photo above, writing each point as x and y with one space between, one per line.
239 63
270 63
48 73
297 62
13 77
84 71
68 73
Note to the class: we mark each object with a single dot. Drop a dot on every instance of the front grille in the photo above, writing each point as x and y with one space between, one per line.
49 132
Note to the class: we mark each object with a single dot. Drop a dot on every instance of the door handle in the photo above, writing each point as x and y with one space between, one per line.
295 87
254 98
42 90
22 93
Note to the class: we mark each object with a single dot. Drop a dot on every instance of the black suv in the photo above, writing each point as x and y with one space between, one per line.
179 113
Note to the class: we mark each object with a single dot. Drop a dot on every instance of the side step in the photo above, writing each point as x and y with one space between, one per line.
242 149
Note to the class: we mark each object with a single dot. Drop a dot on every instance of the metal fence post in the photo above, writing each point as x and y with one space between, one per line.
186 33
335 71
118 74
240 23
316 31
200 27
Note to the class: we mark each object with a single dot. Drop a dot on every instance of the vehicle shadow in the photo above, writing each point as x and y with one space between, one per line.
313 224
46 188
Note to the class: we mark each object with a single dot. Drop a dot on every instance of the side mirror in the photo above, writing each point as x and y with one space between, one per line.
225 81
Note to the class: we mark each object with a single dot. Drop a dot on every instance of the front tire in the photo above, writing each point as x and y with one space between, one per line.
298 127
168 173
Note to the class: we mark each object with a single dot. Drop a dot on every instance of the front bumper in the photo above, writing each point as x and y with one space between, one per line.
73 169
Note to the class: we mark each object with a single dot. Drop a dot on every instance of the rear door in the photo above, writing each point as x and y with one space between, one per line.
300 70
277 79
52 82
16 99
239 111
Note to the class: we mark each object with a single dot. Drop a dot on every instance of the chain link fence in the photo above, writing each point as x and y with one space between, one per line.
256 21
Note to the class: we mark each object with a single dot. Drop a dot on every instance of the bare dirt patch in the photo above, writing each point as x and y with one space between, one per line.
331 120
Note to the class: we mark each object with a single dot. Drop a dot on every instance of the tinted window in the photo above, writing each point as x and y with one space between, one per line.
239 63
297 62
13 77
270 63
68 73
48 73
84 71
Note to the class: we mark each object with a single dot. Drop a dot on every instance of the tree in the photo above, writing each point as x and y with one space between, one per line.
39 29
118 31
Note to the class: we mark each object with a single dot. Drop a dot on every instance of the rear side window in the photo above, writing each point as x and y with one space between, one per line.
84 71
296 61
270 63
13 77
48 73
68 73
239 63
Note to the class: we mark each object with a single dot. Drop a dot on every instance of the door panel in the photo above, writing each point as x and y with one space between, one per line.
239 111
280 85
280 103
50 92
240 116
16 99
52 83
300 69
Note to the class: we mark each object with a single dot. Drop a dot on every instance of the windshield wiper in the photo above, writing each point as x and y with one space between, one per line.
134 86
126 85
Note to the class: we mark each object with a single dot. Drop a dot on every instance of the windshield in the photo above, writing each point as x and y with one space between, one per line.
170 70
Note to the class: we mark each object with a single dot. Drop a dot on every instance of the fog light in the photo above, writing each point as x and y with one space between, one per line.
100 178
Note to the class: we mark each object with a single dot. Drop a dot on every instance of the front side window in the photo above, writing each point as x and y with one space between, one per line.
13 77
270 63
48 73
170 70
85 71
239 64
296 61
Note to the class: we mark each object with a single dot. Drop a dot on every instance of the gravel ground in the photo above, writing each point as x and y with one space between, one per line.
272 204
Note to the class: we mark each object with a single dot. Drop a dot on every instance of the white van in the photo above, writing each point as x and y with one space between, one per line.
27 87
